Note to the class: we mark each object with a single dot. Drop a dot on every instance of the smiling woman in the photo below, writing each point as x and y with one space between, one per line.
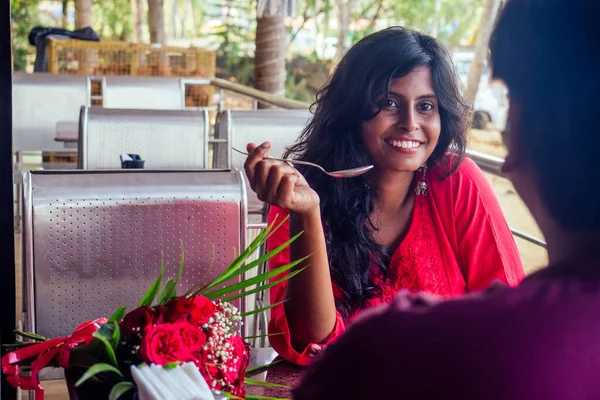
423 219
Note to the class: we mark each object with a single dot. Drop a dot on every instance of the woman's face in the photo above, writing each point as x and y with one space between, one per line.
404 134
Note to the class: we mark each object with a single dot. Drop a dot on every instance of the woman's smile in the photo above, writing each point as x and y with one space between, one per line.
405 145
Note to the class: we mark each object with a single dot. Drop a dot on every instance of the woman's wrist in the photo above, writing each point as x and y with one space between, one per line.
306 218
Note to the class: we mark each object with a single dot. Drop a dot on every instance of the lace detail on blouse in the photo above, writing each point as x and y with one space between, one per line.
416 264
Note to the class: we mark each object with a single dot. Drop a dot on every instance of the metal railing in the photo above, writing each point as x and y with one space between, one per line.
258 95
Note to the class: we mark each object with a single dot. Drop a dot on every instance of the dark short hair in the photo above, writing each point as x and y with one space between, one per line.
547 53
333 140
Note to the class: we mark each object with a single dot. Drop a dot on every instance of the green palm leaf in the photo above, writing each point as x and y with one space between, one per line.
107 346
264 287
263 335
262 367
259 310
263 259
97 369
153 289
255 382
167 293
252 281
118 315
238 262
120 389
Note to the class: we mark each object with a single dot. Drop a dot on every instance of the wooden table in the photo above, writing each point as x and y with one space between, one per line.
68 133
283 374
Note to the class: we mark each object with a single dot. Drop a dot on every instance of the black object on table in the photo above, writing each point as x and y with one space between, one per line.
136 162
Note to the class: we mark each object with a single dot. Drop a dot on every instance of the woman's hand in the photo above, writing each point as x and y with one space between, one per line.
278 183
315 350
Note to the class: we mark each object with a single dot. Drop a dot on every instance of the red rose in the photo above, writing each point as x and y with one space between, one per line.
177 309
158 318
193 339
234 367
162 344
136 321
211 373
202 310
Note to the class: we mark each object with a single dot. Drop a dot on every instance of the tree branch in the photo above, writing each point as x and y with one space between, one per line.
305 19
365 11
376 15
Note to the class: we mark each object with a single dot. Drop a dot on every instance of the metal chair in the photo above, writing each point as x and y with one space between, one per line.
165 139
41 101
94 240
148 93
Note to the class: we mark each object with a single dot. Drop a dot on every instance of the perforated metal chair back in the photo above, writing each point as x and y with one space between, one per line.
148 93
42 100
237 128
165 139
94 240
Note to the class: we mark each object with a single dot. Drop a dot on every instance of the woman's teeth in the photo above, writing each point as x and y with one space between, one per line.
405 144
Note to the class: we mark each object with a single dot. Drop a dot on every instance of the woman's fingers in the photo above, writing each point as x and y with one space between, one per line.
285 190
255 155
278 172
268 176
276 182
315 349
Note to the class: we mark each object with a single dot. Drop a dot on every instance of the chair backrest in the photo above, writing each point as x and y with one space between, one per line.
237 128
150 92
94 240
165 139
41 100
143 93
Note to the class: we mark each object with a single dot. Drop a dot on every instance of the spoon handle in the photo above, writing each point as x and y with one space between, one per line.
297 162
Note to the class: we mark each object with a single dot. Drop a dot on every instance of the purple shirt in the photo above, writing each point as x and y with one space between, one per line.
540 340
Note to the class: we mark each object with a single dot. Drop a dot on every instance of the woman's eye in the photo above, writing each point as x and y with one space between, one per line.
388 103
426 107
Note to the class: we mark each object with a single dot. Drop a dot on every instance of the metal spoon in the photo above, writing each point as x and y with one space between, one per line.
347 173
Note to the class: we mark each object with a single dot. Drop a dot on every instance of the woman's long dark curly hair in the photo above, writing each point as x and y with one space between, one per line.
332 139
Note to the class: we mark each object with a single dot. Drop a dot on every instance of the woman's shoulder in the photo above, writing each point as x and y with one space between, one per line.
465 189
445 170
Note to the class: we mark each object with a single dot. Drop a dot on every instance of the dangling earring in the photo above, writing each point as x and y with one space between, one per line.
421 189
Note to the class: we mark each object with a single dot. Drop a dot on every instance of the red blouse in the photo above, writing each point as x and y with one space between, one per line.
458 242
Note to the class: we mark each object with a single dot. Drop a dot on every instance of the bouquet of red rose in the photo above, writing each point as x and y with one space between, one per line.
192 329
201 327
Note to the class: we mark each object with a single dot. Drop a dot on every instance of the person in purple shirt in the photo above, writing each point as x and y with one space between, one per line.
540 340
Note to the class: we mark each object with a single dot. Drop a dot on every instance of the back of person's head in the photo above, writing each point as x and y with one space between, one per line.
547 53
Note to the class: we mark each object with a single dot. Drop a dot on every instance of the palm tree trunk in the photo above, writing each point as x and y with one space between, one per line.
344 16
481 49
83 19
173 19
138 13
192 17
269 58
83 14
65 10
156 21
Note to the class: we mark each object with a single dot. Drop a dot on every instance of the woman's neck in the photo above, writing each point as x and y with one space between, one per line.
391 191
